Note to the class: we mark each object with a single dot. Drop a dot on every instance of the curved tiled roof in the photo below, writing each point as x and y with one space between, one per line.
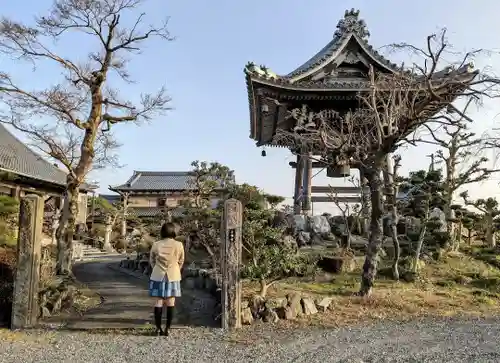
18 158
157 181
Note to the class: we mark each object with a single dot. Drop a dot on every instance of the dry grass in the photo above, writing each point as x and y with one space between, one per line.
459 285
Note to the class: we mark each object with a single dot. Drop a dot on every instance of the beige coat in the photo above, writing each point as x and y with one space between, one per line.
166 257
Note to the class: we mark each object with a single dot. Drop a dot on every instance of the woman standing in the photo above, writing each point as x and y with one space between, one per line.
166 257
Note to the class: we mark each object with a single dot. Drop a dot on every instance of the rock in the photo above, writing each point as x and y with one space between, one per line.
257 305
303 238
275 303
319 225
308 306
294 304
270 316
324 303
337 264
246 316
45 313
440 217
286 313
299 223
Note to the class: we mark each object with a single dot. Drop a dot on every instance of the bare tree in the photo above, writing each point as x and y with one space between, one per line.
462 165
490 210
84 104
391 108
348 211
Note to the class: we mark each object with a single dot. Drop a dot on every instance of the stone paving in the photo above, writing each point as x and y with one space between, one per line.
126 304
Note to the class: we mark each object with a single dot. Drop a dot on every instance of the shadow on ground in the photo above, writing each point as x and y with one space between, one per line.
126 305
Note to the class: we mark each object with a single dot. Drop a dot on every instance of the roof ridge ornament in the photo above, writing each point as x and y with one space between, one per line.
352 24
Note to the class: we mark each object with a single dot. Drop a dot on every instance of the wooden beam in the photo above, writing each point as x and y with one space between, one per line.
316 199
344 190
335 189
315 164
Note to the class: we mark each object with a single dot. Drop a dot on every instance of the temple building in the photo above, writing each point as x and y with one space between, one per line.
149 193
22 171
329 80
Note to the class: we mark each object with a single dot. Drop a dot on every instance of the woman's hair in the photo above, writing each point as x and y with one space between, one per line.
169 230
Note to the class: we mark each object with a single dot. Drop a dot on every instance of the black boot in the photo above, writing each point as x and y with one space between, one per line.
170 316
158 316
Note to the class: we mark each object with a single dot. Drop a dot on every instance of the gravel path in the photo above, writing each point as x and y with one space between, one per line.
127 306
420 341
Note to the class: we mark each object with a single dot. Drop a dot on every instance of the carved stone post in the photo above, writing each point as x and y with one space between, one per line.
123 231
230 264
107 234
25 299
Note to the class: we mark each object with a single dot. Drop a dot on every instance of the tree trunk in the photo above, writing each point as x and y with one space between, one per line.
375 236
420 241
458 239
263 288
490 235
66 229
450 241
391 204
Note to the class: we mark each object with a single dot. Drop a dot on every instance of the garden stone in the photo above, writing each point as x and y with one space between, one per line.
257 306
324 303
246 316
303 238
294 304
319 225
309 307
286 313
270 316
276 302
299 223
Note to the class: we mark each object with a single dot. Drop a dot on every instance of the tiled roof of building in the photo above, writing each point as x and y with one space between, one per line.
18 158
157 181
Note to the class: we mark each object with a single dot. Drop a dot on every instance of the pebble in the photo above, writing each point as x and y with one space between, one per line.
428 340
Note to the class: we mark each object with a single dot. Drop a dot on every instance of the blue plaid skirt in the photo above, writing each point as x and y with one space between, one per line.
164 289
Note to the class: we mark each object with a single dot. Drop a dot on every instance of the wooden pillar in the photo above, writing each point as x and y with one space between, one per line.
306 184
231 264
25 307
15 192
298 194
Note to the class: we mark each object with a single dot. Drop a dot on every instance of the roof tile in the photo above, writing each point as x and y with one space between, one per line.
158 181
18 158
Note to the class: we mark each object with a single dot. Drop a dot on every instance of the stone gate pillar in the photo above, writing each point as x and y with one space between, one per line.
230 264
25 298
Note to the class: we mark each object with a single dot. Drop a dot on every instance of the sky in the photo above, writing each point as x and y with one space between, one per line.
203 72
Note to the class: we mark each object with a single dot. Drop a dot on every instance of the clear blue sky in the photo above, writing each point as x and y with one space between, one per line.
203 71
